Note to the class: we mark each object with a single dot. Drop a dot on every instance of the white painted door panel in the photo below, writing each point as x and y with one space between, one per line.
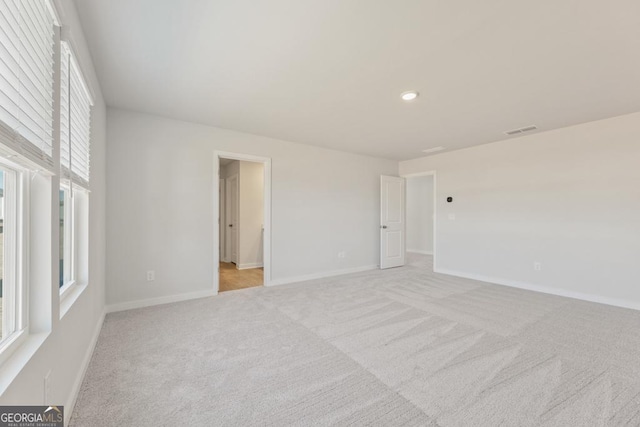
222 220
232 218
392 238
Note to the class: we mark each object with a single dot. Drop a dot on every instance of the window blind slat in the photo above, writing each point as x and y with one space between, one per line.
9 67
29 120
8 89
41 12
33 104
8 118
34 75
36 47
10 13
8 35
8 51
34 109
79 121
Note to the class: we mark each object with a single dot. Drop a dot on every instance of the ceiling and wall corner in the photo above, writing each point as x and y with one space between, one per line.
331 73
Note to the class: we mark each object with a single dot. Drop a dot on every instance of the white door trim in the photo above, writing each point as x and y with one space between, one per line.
266 161
435 207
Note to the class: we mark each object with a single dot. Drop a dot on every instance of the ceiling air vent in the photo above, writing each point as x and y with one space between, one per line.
521 130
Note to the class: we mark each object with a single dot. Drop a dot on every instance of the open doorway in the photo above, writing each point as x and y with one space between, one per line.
242 231
420 220
242 206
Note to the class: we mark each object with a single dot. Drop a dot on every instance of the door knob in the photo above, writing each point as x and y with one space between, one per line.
383 226
230 225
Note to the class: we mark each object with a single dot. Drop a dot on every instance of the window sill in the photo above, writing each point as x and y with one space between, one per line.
69 295
19 358
9 346
66 289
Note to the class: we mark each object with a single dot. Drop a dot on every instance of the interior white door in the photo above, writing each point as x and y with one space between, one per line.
222 219
392 238
232 218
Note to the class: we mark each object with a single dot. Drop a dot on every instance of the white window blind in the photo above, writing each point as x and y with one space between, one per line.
27 40
75 121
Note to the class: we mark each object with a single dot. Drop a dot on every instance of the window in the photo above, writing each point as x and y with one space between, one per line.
75 127
6 327
67 275
12 291
27 41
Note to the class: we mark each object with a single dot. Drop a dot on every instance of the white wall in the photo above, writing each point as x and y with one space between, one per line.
160 206
69 340
569 199
251 214
420 214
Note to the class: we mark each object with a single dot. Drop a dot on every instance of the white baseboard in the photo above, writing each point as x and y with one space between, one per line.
322 275
416 251
248 266
617 302
75 390
129 305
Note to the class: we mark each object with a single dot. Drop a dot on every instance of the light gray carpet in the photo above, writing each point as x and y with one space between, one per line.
397 347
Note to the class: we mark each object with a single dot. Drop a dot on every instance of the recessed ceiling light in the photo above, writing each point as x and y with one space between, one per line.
409 95
432 150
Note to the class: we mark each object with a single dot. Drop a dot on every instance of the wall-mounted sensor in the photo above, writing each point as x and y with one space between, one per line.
449 199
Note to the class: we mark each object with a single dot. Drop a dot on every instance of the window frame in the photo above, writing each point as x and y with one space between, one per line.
69 243
73 87
17 210
37 180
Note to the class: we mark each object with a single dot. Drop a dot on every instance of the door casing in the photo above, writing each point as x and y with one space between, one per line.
266 161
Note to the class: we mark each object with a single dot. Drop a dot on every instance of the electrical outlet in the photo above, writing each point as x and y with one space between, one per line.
151 275
537 266
47 389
